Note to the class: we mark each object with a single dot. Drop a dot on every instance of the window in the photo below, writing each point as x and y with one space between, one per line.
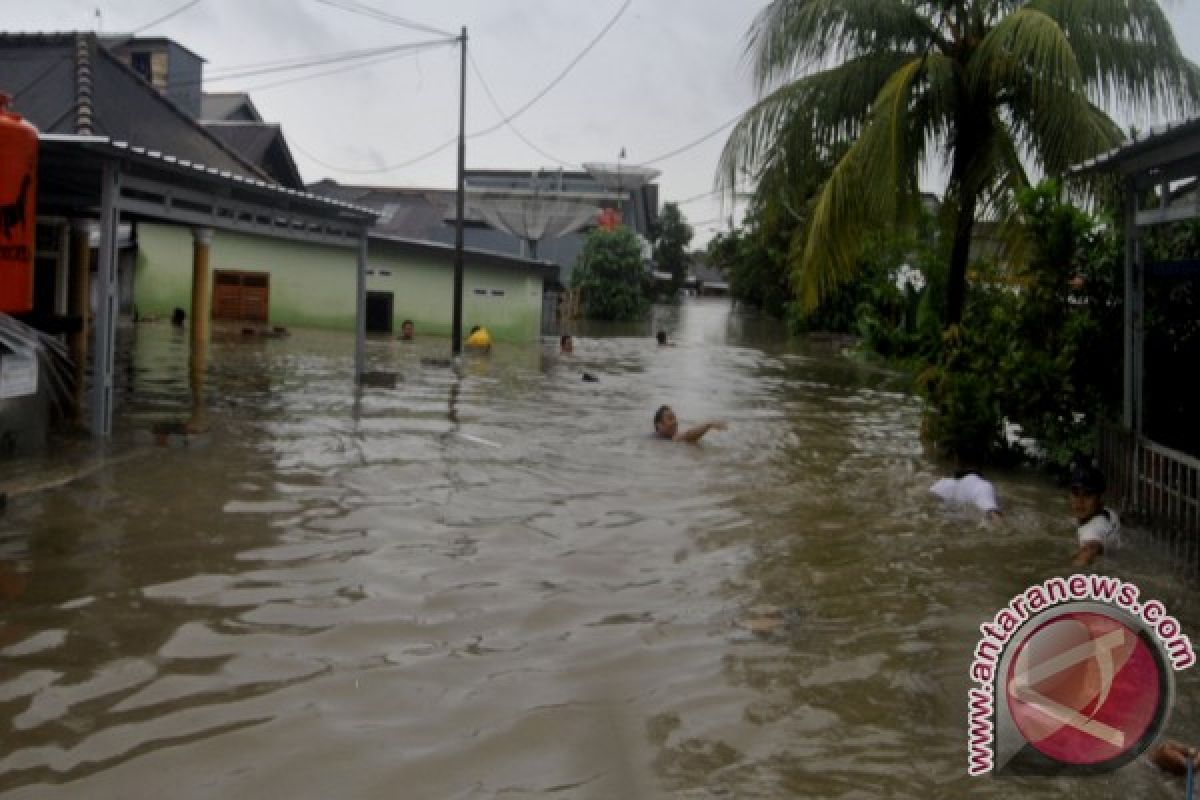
140 63
497 293
481 291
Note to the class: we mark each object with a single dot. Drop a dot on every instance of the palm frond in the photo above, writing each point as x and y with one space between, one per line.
1127 54
865 190
790 36
829 106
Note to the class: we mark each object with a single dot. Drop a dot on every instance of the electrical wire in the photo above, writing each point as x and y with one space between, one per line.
307 63
274 84
383 16
164 17
563 74
496 105
504 121
696 143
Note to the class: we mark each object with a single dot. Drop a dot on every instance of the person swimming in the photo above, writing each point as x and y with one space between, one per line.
1099 530
666 426
969 488
479 339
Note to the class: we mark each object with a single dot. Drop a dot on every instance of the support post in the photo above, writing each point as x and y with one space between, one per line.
360 319
201 315
79 306
1131 389
456 316
103 365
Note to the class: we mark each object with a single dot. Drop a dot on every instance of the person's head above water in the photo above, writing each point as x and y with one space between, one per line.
665 423
666 426
1087 491
566 344
406 329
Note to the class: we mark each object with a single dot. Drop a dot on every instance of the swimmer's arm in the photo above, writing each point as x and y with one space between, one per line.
696 433
1087 553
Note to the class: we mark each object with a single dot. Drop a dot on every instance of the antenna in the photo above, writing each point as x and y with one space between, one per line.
99 20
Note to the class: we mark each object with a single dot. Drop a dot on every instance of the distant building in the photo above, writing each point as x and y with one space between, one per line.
429 214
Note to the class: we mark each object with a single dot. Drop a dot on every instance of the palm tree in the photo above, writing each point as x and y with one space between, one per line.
989 87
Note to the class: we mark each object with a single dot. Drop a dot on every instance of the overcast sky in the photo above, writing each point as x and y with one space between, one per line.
665 74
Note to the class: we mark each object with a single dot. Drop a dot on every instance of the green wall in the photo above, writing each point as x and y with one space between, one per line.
422 289
313 285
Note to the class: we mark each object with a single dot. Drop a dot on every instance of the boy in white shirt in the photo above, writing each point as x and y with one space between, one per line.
1099 529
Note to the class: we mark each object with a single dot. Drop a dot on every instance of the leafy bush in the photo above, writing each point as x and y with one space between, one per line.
609 272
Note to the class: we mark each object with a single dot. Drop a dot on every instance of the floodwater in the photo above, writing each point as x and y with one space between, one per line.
496 584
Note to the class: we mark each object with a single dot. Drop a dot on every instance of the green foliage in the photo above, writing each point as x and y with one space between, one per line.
672 235
609 272
1039 354
754 262
866 93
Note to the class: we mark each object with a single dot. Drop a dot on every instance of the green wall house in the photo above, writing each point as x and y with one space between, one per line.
269 281
415 280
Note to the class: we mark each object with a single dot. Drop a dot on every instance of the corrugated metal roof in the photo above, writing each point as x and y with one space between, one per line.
1154 138
105 145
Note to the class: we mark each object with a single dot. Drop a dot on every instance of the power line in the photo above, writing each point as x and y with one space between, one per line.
496 105
375 13
595 40
389 168
507 119
695 143
164 17
250 71
380 60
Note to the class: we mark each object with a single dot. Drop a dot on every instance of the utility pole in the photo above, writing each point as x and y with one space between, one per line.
456 317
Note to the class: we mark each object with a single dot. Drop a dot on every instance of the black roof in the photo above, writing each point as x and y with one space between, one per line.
71 83
228 106
262 144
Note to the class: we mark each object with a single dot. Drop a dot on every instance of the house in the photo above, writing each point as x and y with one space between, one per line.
429 214
147 93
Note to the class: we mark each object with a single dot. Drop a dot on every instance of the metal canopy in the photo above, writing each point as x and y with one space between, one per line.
158 186
621 177
533 214
1151 167
93 177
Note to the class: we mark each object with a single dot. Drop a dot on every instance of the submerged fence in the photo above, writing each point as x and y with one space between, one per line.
1157 488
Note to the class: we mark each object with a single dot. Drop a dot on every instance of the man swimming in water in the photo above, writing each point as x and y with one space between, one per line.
1099 529
666 426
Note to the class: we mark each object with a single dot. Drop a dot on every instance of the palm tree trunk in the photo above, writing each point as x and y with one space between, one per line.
960 252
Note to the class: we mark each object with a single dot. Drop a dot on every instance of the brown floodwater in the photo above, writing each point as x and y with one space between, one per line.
493 583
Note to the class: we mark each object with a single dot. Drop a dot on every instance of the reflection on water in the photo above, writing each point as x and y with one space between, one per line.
491 581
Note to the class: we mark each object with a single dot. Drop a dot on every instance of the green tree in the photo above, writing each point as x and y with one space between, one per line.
609 272
987 86
672 235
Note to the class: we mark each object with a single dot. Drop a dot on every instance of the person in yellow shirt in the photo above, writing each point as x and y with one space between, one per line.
479 339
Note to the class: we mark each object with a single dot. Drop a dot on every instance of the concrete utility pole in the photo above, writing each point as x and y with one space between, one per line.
456 317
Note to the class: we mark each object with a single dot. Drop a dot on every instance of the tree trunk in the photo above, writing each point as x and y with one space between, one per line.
960 252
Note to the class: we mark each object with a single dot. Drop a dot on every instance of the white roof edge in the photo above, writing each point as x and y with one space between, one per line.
167 158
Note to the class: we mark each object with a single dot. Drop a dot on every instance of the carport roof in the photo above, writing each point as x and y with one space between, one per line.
163 186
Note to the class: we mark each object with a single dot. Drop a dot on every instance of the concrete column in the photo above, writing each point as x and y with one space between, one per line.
201 314
79 305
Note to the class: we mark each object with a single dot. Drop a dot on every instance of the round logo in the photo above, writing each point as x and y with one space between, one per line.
1087 689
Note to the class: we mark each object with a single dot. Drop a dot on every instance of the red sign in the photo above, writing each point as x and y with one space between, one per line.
1085 689
609 219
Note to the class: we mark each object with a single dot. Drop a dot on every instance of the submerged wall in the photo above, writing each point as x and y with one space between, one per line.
313 285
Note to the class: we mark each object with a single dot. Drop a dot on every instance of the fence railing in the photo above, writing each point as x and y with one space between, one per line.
1156 487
